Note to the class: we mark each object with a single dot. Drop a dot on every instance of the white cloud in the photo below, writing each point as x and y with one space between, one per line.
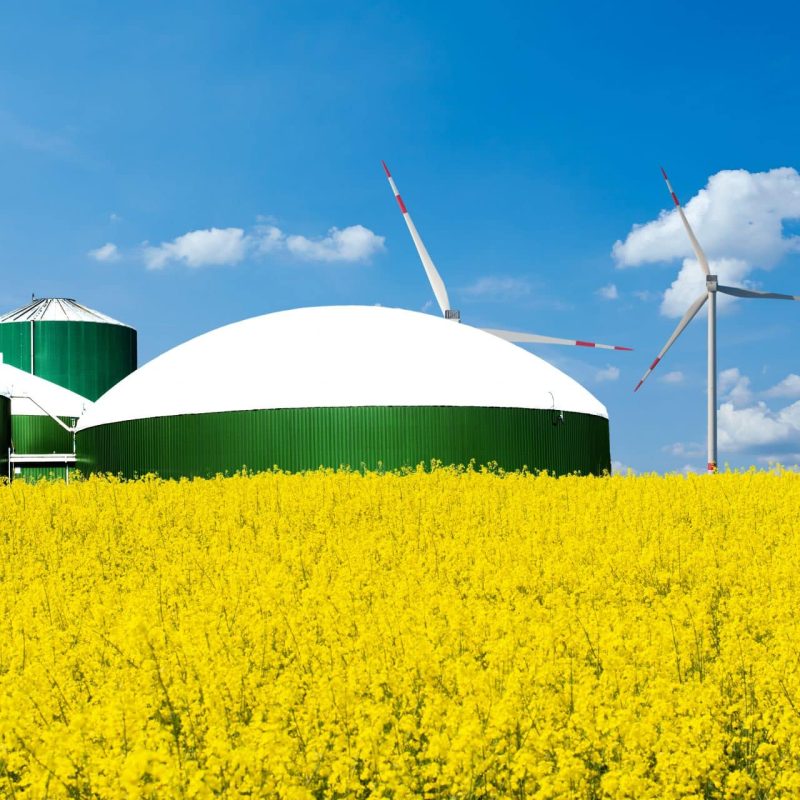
114 217
734 387
267 238
228 246
497 288
202 248
788 387
676 376
608 374
354 243
619 468
691 282
108 252
686 449
608 292
759 430
645 296
751 428
754 428
738 218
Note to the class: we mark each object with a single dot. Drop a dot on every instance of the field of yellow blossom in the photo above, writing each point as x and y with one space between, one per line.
444 634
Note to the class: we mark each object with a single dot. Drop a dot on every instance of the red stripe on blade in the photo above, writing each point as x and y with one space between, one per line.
401 204
638 385
675 199
617 347
664 173
585 344
386 169
653 365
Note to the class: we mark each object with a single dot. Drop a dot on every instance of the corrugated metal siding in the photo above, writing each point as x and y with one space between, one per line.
53 472
86 357
36 434
364 437
5 434
15 344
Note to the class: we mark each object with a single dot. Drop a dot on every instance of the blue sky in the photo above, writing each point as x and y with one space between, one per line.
525 138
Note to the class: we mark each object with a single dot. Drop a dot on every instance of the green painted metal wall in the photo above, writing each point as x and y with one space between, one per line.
39 434
49 472
5 435
372 437
86 357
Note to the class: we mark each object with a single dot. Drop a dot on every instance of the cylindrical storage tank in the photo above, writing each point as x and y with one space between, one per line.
67 343
5 436
363 387
35 405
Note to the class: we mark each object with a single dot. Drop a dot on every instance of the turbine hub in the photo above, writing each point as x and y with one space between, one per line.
711 283
452 314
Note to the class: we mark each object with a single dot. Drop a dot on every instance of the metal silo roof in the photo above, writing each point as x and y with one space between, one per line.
57 309
341 356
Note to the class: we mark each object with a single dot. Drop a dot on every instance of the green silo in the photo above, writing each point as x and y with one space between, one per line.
67 343
5 435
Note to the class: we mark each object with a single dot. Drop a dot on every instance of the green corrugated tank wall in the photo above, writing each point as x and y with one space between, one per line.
388 437
86 357
39 434
5 434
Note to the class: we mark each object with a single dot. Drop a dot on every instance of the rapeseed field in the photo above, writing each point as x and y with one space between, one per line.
445 634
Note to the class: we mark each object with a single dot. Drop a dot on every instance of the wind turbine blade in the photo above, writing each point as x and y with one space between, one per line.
535 338
687 318
698 251
736 292
437 284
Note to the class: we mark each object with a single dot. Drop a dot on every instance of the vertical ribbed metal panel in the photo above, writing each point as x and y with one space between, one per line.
5 434
86 357
38 434
388 437
15 344
50 472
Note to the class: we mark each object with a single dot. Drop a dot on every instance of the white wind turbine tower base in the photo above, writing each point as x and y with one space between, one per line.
440 291
712 287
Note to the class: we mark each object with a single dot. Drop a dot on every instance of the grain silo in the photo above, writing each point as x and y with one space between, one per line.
345 385
67 343
42 421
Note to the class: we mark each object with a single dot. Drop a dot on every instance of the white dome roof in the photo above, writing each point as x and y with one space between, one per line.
34 396
340 356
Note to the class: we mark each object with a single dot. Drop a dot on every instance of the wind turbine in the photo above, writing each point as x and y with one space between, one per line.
440 291
710 294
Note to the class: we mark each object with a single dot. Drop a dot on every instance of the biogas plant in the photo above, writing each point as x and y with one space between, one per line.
358 387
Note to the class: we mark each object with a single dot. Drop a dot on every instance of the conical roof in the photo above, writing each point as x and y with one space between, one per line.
57 309
34 396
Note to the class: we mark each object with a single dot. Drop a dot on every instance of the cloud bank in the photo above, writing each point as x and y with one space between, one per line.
213 247
739 220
